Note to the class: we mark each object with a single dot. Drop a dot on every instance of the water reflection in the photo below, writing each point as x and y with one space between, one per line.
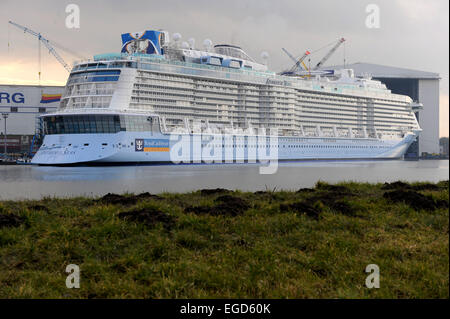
23 182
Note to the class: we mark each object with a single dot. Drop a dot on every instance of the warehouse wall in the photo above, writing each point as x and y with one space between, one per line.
429 116
23 104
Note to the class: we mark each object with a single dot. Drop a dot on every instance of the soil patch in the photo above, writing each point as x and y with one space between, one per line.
333 188
302 207
395 185
415 200
116 199
306 190
10 220
39 208
214 191
226 205
426 187
404 186
336 200
149 216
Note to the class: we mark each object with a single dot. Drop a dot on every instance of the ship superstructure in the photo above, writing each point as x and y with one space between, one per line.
118 102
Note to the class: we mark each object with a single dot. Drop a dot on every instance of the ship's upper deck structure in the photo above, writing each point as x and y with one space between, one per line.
223 86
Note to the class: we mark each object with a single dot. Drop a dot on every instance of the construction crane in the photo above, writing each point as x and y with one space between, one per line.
327 56
49 45
298 62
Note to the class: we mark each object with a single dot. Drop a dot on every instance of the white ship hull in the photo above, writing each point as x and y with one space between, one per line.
121 147
125 107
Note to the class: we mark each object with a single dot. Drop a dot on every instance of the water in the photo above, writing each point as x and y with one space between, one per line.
34 182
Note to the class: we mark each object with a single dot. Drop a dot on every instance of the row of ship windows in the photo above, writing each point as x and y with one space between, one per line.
181 78
279 112
347 122
365 106
212 95
293 146
313 97
330 106
210 84
248 103
304 99
336 97
353 115
349 98
353 121
219 85
78 124
211 90
90 89
212 114
209 102
336 116
233 113
87 102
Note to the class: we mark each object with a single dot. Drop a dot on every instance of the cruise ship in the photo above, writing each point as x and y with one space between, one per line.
164 100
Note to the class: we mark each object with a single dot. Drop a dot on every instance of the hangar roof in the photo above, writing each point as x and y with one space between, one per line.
384 71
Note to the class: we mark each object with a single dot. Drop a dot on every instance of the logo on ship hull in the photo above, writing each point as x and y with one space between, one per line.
139 145
151 145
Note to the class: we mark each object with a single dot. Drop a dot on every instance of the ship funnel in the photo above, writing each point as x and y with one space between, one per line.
146 42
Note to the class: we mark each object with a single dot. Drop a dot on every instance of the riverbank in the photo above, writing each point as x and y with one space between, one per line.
311 243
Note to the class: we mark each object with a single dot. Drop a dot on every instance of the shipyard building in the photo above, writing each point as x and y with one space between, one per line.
420 86
21 105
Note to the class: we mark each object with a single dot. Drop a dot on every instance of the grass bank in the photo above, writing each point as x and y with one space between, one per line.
313 243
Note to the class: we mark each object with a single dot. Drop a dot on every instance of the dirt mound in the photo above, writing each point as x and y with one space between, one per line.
149 217
426 187
214 191
333 188
302 207
147 195
395 185
336 200
443 184
266 195
306 190
415 200
232 200
262 193
10 220
116 199
39 208
343 207
401 185
227 205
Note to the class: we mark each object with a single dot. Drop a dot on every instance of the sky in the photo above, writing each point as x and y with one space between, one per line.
412 33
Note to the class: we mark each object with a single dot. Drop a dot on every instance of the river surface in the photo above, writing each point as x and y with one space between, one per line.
34 182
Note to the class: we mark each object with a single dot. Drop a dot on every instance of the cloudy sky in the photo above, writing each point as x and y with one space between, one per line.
412 34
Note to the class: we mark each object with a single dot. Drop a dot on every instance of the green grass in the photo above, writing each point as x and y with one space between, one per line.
263 253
